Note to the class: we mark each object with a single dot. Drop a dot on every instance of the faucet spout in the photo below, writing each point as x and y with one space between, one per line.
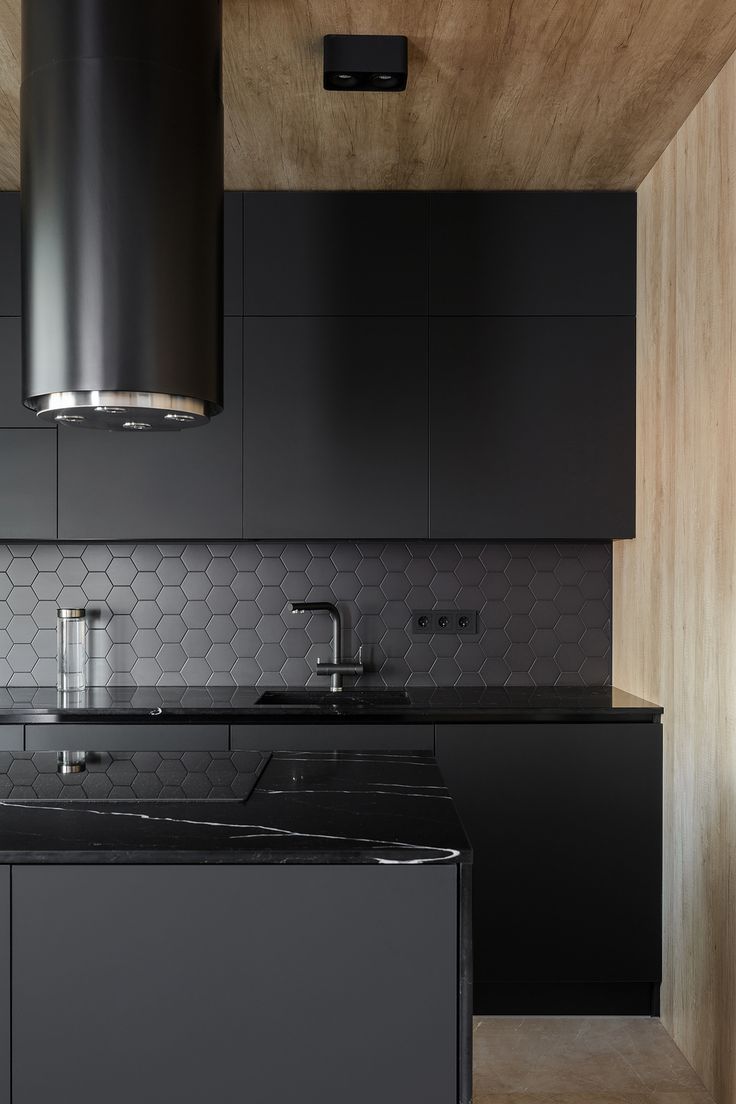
337 667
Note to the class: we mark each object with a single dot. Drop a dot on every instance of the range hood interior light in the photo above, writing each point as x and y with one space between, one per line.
122 187
365 63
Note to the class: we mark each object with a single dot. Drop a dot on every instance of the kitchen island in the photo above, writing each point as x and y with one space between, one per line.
310 943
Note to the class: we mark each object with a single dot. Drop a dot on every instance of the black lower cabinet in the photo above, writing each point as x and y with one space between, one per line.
565 821
224 983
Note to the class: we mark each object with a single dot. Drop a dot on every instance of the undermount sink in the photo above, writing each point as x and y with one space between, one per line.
321 699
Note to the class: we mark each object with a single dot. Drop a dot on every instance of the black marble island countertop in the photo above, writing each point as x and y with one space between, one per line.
307 807
229 705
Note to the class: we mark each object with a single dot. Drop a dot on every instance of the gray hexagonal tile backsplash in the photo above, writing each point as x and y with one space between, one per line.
218 614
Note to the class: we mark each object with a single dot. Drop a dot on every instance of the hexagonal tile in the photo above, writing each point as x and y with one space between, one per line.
146 557
171 599
270 572
22 629
121 657
22 657
121 572
221 599
271 657
121 599
519 599
245 615
146 615
22 572
245 557
146 643
196 615
171 657
196 585
221 658
22 599
146 585
72 571
221 571
146 672
568 571
171 628
46 557
271 628
196 643
196 671
97 585
569 628
47 585
97 557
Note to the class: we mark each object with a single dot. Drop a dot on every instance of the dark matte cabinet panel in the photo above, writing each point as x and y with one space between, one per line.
11 737
565 822
232 235
126 737
335 427
265 983
27 484
12 412
188 485
497 253
532 428
9 253
314 253
5 1088
332 737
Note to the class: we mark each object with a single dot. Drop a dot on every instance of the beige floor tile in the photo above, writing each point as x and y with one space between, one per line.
576 1060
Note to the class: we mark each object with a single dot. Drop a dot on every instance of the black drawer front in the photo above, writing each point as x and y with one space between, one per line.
126 737
333 737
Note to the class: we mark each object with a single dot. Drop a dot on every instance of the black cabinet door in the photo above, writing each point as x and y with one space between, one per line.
532 428
12 411
565 822
9 253
188 485
5 1089
330 253
232 234
27 484
533 253
335 427
293 984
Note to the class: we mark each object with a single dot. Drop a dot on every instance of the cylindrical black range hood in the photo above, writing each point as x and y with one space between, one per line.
122 179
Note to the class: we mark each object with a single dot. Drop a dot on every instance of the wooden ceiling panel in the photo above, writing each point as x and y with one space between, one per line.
502 93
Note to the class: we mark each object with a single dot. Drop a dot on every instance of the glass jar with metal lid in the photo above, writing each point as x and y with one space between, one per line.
71 649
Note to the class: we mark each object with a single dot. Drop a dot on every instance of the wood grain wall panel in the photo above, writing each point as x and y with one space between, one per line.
674 602
518 94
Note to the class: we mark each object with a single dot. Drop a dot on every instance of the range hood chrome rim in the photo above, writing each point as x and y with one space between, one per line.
113 409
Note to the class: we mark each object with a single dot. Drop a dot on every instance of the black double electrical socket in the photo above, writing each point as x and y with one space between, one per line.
429 622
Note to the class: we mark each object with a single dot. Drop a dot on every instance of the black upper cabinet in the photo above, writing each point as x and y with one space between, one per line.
9 253
118 486
335 253
498 253
335 427
532 428
12 411
232 258
28 484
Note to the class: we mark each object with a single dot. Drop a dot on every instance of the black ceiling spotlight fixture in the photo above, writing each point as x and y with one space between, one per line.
121 192
365 63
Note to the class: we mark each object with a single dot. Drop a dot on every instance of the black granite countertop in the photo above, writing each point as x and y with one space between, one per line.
307 807
228 705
